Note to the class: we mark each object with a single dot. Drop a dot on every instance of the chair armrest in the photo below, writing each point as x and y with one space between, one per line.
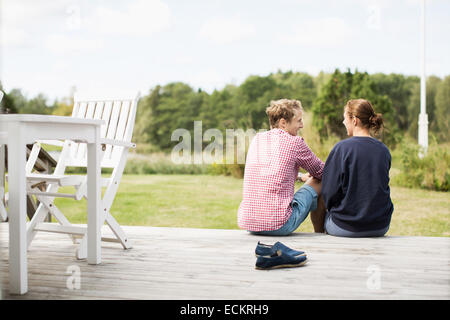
118 143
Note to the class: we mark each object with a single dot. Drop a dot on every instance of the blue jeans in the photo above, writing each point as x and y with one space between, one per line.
332 229
305 200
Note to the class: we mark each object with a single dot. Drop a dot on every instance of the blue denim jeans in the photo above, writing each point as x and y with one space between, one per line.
305 200
332 229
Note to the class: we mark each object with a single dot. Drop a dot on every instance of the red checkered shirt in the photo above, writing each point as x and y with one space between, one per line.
273 160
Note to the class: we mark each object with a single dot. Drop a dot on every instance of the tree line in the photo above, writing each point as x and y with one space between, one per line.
177 105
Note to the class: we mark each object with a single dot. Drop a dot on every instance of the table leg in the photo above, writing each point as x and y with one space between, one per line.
17 211
94 201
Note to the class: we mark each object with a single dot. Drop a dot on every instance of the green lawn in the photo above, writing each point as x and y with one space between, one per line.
203 201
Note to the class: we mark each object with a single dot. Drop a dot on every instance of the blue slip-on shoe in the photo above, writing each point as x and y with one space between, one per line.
279 260
266 250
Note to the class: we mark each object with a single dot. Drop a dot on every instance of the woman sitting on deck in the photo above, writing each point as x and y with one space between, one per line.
355 181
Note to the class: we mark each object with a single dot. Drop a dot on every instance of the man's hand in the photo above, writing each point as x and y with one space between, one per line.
304 177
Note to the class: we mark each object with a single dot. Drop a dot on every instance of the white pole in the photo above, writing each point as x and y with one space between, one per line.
423 117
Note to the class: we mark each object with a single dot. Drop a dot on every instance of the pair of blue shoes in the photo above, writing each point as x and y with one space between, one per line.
278 256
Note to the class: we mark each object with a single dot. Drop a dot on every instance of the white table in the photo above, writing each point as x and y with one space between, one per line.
17 130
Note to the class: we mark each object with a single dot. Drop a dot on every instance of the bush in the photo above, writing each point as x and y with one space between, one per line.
319 145
145 148
160 164
234 170
430 172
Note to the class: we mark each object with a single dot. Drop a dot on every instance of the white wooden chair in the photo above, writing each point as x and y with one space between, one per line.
119 116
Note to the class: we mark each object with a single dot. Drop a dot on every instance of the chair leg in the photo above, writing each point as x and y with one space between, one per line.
46 207
118 231
31 207
3 213
59 216
38 217
115 228
107 201
49 216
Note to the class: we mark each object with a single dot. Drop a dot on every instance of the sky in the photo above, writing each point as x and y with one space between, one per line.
114 46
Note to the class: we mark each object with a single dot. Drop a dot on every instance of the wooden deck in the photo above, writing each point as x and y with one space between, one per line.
180 263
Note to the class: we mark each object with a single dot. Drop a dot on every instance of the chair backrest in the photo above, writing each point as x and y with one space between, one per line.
119 114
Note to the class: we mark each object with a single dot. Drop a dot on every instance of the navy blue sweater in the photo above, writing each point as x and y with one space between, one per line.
355 184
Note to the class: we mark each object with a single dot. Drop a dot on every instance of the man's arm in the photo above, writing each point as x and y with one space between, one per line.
309 161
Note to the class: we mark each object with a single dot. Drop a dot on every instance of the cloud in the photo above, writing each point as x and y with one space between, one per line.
140 18
65 26
13 37
184 59
226 30
208 80
326 32
67 44
19 19
21 13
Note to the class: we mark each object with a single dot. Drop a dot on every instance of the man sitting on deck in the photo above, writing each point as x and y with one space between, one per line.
269 205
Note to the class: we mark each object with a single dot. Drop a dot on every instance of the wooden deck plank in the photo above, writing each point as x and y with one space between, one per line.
181 263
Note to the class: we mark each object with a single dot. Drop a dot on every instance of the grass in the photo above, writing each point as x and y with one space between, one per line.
204 201
195 201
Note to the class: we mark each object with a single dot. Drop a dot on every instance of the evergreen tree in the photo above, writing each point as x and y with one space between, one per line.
442 110
328 109
7 105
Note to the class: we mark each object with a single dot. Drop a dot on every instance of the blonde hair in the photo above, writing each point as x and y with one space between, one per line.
282 109
363 110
